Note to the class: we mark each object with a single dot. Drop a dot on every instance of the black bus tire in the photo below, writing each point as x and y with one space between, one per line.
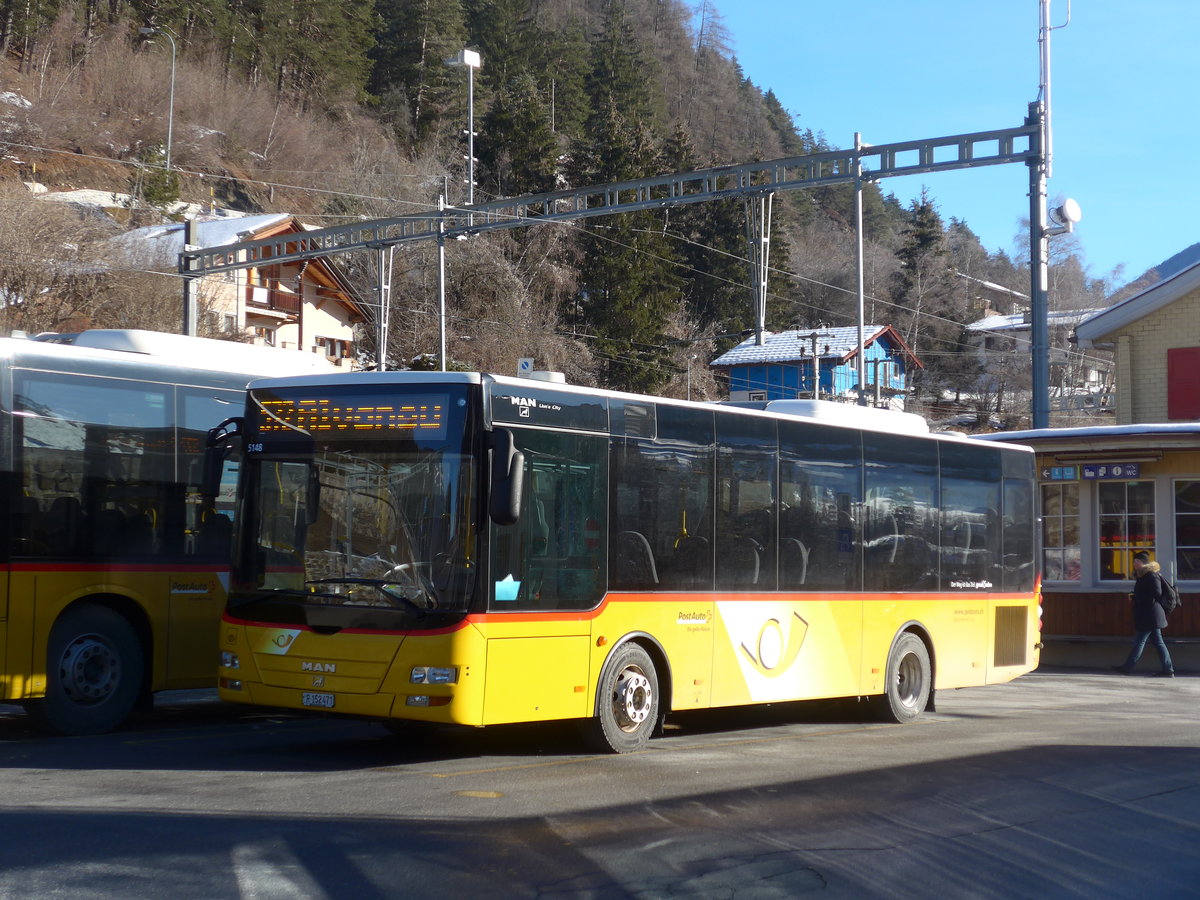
94 670
908 681
627 702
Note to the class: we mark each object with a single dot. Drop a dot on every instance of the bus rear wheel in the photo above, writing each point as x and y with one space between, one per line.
909 680
628 702
94 670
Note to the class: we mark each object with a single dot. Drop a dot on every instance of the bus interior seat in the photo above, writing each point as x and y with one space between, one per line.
634 560
739 561
793 562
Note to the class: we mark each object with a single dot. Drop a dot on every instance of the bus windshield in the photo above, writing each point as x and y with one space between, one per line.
361 515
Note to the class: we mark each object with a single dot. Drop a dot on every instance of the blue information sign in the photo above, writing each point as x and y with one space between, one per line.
1112 470
1060 473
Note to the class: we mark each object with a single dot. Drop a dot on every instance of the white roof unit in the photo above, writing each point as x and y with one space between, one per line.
201 353
853 415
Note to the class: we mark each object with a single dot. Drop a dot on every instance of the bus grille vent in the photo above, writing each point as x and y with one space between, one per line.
1011 630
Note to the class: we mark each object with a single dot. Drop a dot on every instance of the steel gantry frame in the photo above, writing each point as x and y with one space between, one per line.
862 164
984 148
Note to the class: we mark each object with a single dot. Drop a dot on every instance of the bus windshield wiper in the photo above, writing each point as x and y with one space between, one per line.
383 584
285 592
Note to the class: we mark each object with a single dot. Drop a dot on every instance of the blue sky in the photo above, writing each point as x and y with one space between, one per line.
1125 110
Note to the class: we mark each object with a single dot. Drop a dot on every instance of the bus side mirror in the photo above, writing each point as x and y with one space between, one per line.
218 446
508 477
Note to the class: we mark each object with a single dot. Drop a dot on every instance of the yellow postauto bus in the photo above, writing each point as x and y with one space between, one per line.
114 567
474 549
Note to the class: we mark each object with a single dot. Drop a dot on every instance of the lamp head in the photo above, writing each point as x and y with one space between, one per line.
468 59
1067 214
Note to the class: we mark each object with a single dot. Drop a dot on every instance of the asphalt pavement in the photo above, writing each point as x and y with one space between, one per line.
1064 783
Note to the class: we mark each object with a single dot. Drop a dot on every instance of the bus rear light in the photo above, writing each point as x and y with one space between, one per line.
426 700
230 684
230 660
434 675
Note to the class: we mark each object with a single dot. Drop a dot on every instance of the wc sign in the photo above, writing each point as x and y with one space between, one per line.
1112 470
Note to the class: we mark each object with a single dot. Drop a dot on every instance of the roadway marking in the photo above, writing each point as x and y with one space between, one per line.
268 870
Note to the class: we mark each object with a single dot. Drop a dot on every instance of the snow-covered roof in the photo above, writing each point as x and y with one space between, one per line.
789 346
1138 306
166 241
1123 433
1018 321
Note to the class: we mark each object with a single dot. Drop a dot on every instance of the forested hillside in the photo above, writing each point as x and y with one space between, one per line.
343 110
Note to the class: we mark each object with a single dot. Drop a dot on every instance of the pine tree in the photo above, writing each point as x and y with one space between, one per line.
925 289
153 182
410 70
506 35
620 69
561 64
517 146
627 284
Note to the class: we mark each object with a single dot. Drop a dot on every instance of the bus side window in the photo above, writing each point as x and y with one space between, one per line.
820 486
97 460
746 502
970 501
553 556
197 529
901 540
663 489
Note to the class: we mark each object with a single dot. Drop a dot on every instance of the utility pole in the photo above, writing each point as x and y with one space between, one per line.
1039 163
469 60
758 234
858 267
190 241
1039 273
816 367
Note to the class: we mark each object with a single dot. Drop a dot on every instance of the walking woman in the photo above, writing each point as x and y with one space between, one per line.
1149 619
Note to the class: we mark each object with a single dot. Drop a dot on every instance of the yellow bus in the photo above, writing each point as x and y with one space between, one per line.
473 549
114 571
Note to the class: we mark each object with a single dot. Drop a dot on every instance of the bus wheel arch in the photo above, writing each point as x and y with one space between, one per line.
97 666
630 697
908 676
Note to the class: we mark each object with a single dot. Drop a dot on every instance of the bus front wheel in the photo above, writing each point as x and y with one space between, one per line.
628 702
94 669
909 680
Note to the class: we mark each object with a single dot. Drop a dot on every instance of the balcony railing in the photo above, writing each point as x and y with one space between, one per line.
275 299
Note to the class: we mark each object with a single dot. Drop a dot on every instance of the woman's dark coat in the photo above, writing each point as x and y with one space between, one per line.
1148 613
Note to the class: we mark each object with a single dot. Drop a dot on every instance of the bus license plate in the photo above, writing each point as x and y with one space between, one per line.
309 698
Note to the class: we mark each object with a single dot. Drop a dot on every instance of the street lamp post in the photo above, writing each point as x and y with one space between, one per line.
469 60
171 99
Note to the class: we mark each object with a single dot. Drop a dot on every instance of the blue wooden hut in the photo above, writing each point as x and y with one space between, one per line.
781 367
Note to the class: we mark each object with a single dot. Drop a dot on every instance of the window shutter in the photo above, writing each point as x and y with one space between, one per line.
1183 383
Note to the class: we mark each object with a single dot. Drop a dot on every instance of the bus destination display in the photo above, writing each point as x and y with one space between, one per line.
423 417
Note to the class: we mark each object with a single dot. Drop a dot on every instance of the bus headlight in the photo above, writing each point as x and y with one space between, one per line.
230 660
434 675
